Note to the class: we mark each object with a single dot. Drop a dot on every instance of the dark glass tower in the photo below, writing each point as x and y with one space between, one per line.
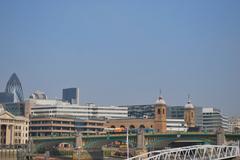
14 87
71 95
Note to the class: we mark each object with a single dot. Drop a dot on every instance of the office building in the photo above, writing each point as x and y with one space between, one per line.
140 111
176 125
13 129
63 126
52 126
214 119
90 126
57 108
6 97
13 91
14 87
71 95
51 117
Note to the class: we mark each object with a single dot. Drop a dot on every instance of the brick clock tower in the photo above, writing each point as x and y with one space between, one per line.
160 119
189 114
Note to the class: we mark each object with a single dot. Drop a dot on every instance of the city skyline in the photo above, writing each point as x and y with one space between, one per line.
122 53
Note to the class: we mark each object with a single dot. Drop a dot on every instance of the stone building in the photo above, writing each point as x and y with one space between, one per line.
158 123
189 114
13 129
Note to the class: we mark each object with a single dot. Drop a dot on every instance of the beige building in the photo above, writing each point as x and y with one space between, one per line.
52 126
189 114
234 124
159 123
13 129
62 126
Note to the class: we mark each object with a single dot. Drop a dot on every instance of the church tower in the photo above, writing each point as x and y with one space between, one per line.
189 114
160 119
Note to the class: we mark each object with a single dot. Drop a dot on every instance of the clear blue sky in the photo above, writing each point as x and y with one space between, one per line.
122 52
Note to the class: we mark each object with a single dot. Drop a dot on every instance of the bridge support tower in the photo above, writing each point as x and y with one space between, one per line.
141 149
220 136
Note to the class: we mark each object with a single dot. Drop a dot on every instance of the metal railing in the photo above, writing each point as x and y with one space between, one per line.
196 152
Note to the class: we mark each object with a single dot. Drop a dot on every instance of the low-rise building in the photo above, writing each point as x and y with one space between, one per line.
90 126
172 125
13 129
52 126
158 122
63 126
234 124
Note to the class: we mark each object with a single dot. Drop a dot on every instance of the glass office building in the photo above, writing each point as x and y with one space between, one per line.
13 91
71 95
14 87
6 97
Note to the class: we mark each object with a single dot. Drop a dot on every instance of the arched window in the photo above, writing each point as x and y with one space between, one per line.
131 126
163 111
122 126
159 111
113 126
141 126
192 114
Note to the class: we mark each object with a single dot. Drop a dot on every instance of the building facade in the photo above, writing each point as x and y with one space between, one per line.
71 95
213 119
58 108
234 124
158 123
189 114
6 97
14 87
13 129
17 109
52 126
160 115
13 91
90 126
58 118
62 126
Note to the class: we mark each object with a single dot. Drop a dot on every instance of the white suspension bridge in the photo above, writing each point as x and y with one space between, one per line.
196 152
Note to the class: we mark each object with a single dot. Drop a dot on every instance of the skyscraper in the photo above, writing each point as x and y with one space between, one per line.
14 87
71 95
6 97
13 91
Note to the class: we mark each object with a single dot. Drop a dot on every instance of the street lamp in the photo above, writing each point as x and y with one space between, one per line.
127 141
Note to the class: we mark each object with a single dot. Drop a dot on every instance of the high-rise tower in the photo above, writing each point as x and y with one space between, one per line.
14 87
160 115
71 95
189 114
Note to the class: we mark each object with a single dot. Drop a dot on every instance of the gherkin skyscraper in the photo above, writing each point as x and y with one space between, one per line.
14 87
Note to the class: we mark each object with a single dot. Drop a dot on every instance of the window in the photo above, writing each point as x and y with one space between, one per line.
159 111
163 111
